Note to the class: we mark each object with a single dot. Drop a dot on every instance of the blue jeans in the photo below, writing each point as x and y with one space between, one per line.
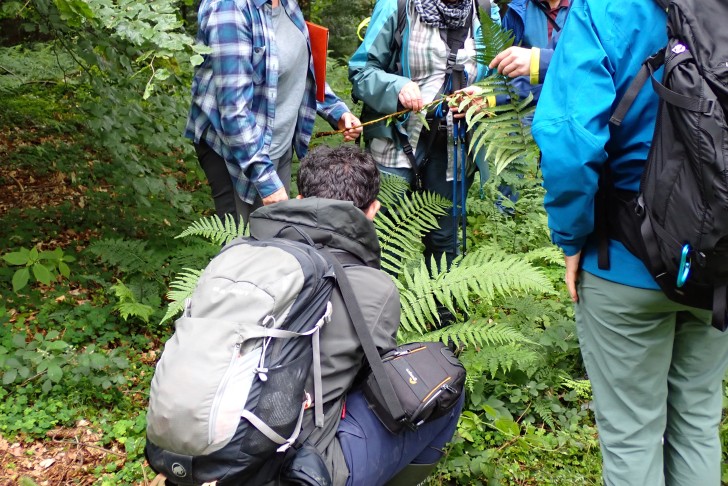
434 176
374 455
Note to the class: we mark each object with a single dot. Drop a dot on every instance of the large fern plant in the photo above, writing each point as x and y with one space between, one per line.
480 276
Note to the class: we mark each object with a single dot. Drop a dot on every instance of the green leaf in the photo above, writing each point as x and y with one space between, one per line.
42 274
55 373
33 255
57 345
98 361
47 386
64 270
9 376
17 257
20 279
196 60
51 335
19 340
508 427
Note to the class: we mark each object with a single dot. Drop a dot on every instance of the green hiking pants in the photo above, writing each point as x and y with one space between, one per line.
656 369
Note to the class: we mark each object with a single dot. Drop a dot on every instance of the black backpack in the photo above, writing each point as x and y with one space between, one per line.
227 398
678 222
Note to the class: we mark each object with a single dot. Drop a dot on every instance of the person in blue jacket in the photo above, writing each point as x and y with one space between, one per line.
656 367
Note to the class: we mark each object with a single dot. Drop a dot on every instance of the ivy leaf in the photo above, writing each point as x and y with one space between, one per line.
42 274
17 257
20 279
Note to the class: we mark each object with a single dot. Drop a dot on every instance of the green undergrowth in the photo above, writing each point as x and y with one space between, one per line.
79 341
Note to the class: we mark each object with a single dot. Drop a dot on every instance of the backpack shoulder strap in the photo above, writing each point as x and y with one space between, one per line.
365 338
398 37
664 4
648 68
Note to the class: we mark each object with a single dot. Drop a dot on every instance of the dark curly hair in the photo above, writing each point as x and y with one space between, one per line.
345 173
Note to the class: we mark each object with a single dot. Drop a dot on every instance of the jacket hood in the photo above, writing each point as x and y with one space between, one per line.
335 224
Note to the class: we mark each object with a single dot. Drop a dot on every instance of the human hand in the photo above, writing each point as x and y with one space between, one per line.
572 274
410 96
278 196
352 125
513 62
472 94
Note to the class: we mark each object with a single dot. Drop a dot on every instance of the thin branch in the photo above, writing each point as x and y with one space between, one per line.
90 446
385 117
8 71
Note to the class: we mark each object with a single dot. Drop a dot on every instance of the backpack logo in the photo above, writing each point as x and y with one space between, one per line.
412 377
679 49
179 470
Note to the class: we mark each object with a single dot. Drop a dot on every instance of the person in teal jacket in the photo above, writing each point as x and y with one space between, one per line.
387 80
656 367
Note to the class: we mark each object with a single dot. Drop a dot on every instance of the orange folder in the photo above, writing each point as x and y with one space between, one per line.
319 49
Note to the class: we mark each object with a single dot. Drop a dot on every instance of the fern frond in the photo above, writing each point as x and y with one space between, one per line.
41 64
544 410
128 306
477 332
491 359
400 228
483 273
549 254
214 230
129 256
492 38
181 289
391 189
582 387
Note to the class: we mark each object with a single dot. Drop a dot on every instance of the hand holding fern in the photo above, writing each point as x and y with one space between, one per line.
513 62
461 101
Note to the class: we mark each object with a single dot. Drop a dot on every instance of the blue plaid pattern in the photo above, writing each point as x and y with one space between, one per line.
234 92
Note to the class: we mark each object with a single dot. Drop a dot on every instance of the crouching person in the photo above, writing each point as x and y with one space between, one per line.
335 439
338 200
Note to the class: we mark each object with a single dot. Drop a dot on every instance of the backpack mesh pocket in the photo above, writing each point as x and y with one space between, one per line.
279 404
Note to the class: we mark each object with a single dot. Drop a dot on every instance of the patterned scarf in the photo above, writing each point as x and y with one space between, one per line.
444 15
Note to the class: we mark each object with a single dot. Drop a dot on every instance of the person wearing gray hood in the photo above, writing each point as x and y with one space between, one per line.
337 203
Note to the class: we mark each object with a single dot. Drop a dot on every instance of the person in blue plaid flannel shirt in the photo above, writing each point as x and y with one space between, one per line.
254 101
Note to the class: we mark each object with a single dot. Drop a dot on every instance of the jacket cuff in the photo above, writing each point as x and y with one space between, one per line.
267 183
535 65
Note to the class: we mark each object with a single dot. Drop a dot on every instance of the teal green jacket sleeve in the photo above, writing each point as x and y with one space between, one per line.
571 128
370 65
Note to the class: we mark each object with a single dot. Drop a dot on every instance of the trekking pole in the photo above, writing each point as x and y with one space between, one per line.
458 80
463 185
455 211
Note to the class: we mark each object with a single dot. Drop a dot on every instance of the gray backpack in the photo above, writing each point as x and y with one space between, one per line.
228 394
